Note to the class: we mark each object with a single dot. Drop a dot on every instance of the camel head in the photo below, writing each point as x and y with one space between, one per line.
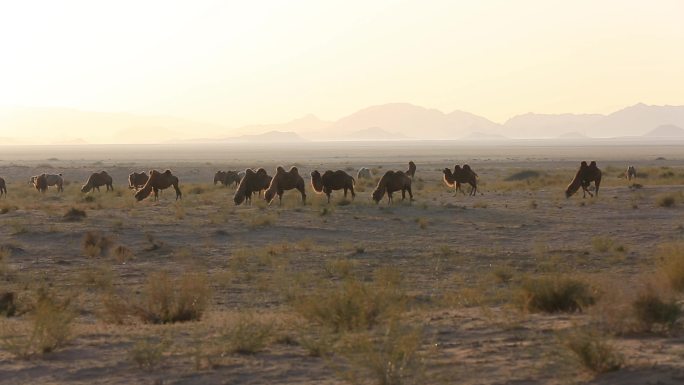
219 176
86 187
316 181
269 194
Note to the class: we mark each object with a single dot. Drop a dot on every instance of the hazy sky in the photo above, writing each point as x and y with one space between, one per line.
240 62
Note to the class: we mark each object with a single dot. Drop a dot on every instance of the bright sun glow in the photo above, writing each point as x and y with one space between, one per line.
231 63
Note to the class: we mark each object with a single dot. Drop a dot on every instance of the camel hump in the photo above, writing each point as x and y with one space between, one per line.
583 164
280 169
249 171
592 164
294 170
315 173
167 172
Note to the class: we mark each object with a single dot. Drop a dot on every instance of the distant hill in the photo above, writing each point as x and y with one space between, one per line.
413 121
666 131
630 121
393 121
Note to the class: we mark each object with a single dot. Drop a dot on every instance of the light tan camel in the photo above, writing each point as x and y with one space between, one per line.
283 181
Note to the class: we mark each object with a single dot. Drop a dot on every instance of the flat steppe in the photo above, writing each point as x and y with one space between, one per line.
444 276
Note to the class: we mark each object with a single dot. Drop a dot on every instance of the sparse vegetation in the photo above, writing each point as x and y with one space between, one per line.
593 351
148 353
167 300
555 293
95 244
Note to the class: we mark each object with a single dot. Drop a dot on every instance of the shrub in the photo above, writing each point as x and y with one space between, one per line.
74 215
667 200
247 335
50 327
122 254
166 300
392 358
556 294
671 259
602 244
148 353
95 244
593 352
351 305
650 310
523 175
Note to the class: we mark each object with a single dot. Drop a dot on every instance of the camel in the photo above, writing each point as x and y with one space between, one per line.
631 173
364 173
43 181
332 180
283 181
159 181
96 180
390 182
252 182
136 180
227 177
461 175
3 188
583 178
411 172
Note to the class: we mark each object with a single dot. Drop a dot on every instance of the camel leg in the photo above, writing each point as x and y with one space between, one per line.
597 183
179 195
410 193
389 198
403 194
353 194
328 195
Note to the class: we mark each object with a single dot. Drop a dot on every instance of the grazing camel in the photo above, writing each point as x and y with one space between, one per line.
159 181
43 181
96 180
332 180
226 178
283 181
3 188
631 173
583 178
461 175
411 172
136 180
252 182
364 173
390 182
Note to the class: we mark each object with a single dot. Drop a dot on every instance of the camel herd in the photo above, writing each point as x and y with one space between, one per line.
250 182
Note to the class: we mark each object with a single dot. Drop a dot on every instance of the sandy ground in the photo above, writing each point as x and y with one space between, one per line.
447 247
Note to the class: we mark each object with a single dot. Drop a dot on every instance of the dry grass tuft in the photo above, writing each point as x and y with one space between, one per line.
168 300
653 313
74 215
352 305
593 351
149 353
554 294
95 244
391 358
671 260
49 327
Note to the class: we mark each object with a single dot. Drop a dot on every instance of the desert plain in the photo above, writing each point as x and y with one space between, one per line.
515 285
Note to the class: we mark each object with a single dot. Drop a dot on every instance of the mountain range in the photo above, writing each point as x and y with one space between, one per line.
393 121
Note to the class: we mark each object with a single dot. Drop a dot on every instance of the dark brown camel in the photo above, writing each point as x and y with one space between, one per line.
97 180
332 180
159 181
583 178
461 175
389 183
137 180
226 177
411 172
283 181
252 182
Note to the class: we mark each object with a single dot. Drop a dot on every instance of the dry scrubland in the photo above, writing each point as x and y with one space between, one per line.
516 285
